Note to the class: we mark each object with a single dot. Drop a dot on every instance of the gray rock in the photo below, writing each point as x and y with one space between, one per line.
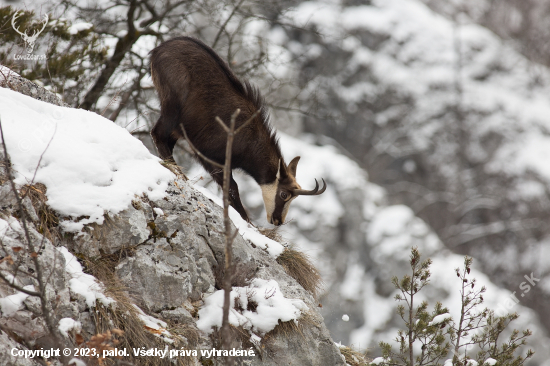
166 262
17 83
6 357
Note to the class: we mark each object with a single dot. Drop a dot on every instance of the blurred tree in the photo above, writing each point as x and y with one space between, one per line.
71 54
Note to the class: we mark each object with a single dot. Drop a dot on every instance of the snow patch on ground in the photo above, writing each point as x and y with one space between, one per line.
155 326
268 300
91 166
68 324
12 303
82 283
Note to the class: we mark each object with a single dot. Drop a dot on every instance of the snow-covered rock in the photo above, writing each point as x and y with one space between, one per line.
169 258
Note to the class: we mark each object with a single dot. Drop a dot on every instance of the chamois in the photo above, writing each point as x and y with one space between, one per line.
195 86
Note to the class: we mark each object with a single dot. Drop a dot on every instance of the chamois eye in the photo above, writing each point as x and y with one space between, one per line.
284 195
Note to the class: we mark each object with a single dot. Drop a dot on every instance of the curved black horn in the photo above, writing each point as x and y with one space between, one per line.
314 192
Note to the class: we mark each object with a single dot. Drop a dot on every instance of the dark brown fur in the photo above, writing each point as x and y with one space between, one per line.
195 85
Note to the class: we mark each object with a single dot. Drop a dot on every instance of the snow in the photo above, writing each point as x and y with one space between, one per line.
255 339
506 94
440 319
68 324
345 317
91 167
5 72
390 221
272 306
246 230
79 27
76 362
156 326
352 284
321 161
490 361
158 211
82 283
379 360
12 303
11 225
471 362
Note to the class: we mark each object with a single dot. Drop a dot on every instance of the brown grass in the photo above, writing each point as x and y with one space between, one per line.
174 168
287 329
49 221
272 234
298 266
124 316
354 357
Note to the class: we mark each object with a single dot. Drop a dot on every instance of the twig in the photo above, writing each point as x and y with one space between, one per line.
17 287
113 98
39 273
225 331
198 152
42 155
222 29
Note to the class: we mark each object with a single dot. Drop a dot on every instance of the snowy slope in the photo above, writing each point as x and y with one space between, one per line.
89 165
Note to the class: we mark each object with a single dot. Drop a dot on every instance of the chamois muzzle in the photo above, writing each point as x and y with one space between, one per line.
314 192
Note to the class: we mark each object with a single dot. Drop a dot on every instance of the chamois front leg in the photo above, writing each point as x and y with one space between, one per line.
234 197
164 138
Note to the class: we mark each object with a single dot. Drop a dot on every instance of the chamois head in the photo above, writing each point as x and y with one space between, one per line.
278 195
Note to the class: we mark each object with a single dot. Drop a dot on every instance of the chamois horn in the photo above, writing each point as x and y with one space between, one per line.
314 192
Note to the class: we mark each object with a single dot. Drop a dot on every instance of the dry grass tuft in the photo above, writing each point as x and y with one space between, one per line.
174 168
188 331
49 221
298 266
287 329
238 335
124 316
272 234
353 357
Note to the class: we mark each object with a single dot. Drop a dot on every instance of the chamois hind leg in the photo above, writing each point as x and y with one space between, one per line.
234 197
165 138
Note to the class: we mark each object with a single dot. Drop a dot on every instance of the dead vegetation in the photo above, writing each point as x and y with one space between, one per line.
174 168
124 316
48 220
298 266
354 357
272 234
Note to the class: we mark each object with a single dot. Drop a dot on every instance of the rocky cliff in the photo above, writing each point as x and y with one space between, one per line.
147 270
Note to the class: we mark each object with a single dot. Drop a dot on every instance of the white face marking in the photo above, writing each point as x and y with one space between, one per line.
285 208
269 193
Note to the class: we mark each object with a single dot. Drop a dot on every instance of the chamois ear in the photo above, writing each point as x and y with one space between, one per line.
282 173
293 165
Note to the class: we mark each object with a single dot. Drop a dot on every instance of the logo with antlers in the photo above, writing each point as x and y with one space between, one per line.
29 40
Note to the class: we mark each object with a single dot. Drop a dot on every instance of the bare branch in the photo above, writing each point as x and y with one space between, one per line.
38 267
196 151
222 29
19 288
